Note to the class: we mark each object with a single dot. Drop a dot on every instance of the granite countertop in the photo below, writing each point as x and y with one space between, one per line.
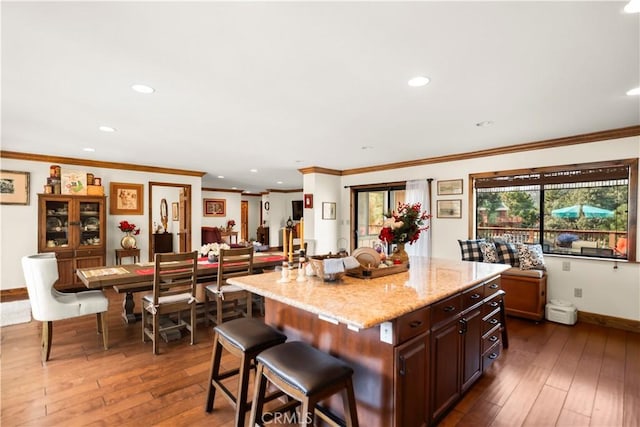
365 303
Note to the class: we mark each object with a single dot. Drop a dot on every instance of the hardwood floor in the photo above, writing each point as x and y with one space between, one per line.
551 375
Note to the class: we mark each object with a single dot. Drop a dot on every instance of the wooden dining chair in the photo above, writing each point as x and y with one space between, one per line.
174 291
231 263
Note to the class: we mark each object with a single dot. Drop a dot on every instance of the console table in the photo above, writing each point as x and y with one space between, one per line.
125 253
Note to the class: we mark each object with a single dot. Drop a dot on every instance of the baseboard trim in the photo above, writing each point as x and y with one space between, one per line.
609 321
16 294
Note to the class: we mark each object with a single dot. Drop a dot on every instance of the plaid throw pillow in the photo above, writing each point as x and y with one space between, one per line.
470 249
507 253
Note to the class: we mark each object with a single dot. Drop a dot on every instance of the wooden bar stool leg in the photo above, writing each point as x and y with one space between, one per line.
349 402
243 386
215 370
259 392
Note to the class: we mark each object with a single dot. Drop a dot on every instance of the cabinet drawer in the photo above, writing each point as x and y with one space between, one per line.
491 305
446 309
491 355
89 252
490 338
490 321
472 296
413 324
492 286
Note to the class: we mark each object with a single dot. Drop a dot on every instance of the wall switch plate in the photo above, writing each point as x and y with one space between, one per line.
577 292
566 266
386 332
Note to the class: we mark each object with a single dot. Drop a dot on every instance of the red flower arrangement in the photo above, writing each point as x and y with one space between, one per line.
405 225
127 227
230 224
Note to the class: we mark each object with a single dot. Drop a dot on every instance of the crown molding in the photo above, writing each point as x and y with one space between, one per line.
224 190
318 169
274 190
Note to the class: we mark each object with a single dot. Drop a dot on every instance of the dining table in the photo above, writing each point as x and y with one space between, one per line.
138 277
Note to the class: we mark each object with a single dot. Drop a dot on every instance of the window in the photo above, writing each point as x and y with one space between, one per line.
580 210
371 203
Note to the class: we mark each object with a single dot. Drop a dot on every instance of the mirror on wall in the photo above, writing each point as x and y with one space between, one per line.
178 225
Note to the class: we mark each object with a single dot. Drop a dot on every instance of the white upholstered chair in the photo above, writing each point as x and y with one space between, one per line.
47 304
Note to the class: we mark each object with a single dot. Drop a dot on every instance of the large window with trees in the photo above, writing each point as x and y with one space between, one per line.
580 210
370 204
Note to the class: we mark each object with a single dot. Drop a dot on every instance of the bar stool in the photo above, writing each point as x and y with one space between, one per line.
307 375
243 338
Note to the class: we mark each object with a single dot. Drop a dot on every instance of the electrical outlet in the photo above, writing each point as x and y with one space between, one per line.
566 266
577 292
386 332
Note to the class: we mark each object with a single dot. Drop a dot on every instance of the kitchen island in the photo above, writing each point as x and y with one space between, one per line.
416 340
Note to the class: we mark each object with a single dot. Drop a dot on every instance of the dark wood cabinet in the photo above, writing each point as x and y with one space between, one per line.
263 235
471 323
445 367
412 382
161 243
73 227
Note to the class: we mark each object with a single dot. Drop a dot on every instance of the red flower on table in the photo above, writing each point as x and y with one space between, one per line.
127 227
405 224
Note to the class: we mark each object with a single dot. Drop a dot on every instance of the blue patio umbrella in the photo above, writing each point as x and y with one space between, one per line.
573 212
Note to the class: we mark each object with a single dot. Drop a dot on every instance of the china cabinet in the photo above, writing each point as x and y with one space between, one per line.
73 227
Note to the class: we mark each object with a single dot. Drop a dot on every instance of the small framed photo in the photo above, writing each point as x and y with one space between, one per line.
449 208
215 207
308 201
174 211
328 210
126 199
450 187
14 188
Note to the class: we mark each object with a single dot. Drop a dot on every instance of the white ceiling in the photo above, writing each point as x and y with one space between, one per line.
282 86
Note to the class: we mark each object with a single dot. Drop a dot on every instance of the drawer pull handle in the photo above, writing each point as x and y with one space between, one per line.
493 321
475 296
415 323
493 338
493 356
449 308
493 304
493 286
403 366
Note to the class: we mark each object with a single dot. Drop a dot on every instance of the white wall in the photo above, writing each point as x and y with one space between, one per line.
19 235
280 209
232 210
606 289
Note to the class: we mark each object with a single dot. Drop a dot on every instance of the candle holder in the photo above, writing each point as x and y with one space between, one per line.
284 278
301 269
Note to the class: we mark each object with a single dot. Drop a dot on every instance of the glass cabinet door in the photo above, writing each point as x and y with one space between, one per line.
90 224
57 223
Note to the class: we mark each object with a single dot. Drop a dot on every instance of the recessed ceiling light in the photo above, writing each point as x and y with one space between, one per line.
89 149
484 123
234 188
366 147
633 6
634 91
279 182
107 128
221 176
142 88
253 170
419 81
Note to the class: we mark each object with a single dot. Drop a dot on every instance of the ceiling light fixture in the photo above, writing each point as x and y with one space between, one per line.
633 6
107 129
634 91
221 176
419 81
484 123
253 170
89 149
279 182
140 88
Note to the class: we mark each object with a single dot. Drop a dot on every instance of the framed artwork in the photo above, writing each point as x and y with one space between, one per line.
450 187
215 207
74 182
449 208
14 188
174 211
308 201
126 199
328 210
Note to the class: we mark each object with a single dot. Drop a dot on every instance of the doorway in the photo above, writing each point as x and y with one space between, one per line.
178 198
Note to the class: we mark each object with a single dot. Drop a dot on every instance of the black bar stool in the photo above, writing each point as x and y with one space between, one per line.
243 338
307 375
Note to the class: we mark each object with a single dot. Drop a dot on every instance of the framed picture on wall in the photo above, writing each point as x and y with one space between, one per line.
215 207
14 188
328 210
449 208
174 211
126 199
449 187
308 201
